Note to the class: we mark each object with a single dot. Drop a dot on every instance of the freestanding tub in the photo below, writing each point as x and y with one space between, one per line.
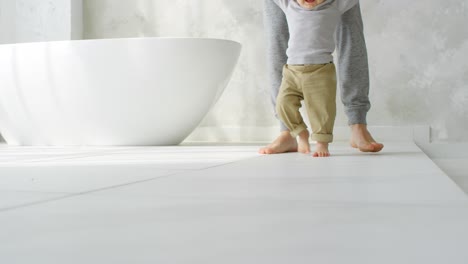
137 91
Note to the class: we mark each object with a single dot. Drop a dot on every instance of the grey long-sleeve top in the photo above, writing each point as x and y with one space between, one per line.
312 32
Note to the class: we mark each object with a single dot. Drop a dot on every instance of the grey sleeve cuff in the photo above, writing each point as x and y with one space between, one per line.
357 115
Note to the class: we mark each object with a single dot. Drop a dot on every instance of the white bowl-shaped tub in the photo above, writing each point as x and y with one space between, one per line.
137 91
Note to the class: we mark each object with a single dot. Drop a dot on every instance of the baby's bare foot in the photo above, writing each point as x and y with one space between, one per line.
304 146
321 150
284 143
363 140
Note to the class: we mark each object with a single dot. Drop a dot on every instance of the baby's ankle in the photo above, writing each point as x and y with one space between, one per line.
322 144
303 145
304 135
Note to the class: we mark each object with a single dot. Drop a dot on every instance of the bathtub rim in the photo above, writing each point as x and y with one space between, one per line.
121 39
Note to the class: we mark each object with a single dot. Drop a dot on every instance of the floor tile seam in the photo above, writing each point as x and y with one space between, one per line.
72 195
169 174
230 162
30 204
76 194
117 186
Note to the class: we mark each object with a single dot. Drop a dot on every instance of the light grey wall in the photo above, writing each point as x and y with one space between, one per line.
417 51
245 102
419 69
40 20
7 21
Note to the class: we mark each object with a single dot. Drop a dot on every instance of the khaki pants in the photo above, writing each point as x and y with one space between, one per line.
316 85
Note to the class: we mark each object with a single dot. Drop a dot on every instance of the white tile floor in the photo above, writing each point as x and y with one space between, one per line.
227 204
456 168
452 158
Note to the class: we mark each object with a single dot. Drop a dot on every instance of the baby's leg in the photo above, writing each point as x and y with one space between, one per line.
287 106
320 98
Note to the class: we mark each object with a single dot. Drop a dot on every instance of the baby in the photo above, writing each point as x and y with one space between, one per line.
310 74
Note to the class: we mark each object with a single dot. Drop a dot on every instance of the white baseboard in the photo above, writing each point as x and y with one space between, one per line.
232 134
267 134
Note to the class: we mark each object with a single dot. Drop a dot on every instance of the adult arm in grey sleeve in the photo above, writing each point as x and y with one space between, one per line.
277 37
353 67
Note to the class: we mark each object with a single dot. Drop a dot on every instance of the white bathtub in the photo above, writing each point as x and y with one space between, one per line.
139 91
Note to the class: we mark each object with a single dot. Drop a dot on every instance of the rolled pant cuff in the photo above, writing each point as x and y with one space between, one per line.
326 138
357 116
295 132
